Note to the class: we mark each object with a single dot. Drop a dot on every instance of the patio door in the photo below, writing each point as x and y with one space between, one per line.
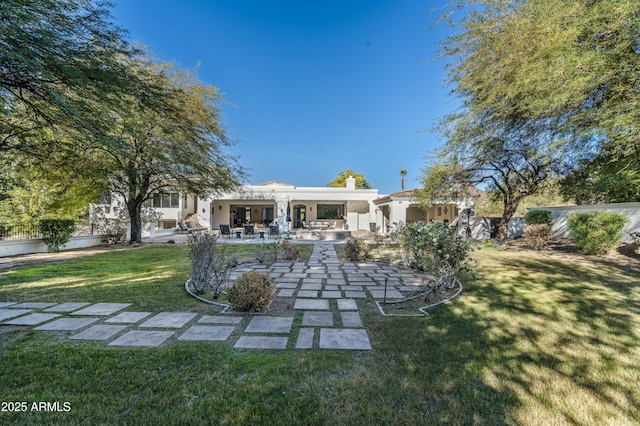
299 215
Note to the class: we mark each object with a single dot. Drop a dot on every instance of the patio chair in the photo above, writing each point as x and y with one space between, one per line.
182 228
225 230
249 231
274 231
192 228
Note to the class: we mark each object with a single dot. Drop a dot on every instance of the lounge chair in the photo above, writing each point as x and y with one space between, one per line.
192 228
182 228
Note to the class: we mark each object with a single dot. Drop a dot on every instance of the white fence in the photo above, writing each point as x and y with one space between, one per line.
36 245
561 214
483 228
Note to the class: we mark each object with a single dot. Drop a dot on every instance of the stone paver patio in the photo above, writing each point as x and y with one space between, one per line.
327 294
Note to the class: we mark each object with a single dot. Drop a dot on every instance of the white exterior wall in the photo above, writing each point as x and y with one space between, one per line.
560 229
398 213
358 201
481 227
18 247
176 213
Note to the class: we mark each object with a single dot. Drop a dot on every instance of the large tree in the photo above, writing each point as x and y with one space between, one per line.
178 144
59 65
341 180
540 82
574 65
511 159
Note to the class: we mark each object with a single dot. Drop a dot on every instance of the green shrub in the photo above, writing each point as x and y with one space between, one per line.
596 233
251 292
56 232
356 249
538 217
537 236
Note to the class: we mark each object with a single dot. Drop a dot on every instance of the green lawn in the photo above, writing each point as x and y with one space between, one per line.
533 340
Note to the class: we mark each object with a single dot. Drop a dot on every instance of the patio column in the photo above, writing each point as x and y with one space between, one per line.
281 214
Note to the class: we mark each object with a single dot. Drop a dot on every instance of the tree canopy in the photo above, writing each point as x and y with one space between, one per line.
80 106
178 145
341 180
541 84
573 65
59 65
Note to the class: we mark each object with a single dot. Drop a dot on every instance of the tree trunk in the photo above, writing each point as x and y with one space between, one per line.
134 208
507 214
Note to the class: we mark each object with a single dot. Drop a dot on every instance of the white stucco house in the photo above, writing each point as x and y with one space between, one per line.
306 210
404 207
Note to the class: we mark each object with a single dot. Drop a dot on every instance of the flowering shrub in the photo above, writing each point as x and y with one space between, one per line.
434 248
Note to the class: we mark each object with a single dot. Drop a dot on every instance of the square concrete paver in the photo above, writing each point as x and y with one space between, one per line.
307 293
286 285
344 338
286 292
331 294
128 317
261 342
32 319
311 304
270 325
320 319
355 294
11 313
32 305
392 293
207 332
351 287
409 288
347 305
139 338
102 309
305 338
99 332
5 304
169 320
219 319
67 324
311 287
351 319
67 307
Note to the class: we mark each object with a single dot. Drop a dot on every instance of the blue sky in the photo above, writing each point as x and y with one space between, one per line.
312 87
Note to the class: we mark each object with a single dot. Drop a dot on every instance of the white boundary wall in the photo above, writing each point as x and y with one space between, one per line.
17 247
560 215
481 227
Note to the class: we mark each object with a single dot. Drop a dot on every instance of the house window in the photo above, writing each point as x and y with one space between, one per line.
330 211
439 211
164 200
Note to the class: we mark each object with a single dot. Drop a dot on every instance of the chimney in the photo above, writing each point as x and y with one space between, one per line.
351 182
